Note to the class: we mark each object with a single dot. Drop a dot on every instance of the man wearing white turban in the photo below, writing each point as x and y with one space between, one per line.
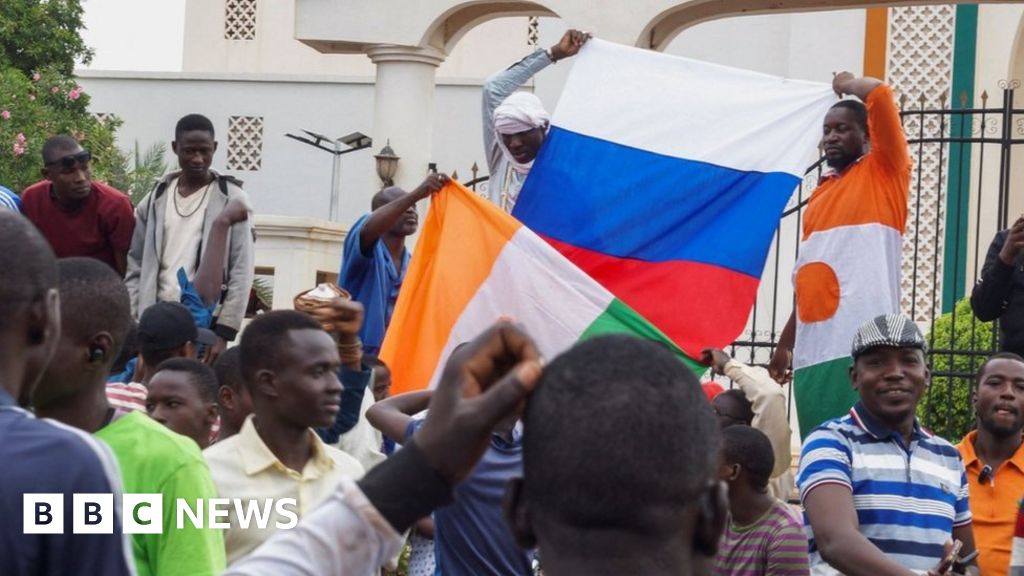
515 123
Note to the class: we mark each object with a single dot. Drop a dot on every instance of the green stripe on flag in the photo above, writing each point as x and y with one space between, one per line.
823 392
618 318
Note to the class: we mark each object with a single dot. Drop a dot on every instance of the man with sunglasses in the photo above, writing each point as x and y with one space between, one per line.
76 215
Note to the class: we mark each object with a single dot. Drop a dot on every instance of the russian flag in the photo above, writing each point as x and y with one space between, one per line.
664 179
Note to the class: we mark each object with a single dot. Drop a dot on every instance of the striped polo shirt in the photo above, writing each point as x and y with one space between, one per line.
908 498
774 545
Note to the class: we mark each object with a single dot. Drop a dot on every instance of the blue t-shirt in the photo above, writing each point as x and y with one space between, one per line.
373 281
10 200
471 535
45 457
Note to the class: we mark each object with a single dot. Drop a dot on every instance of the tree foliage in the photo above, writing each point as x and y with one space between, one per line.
38 105
957 351
38 34
136 173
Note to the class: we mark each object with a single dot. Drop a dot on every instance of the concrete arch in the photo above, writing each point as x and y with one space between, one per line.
452 24
668 24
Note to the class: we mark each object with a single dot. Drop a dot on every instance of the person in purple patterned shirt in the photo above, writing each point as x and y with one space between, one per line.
764 536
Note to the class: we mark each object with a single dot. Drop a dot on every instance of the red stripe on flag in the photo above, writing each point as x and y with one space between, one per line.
696 305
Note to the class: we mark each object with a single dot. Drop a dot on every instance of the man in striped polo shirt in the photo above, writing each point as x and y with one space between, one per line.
881 494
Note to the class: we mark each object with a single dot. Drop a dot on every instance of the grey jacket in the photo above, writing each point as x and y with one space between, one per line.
147 244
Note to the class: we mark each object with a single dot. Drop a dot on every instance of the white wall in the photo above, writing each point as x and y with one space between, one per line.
294 179
135 34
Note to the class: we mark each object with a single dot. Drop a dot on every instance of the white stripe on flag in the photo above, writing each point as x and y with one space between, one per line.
553 299
716 114
867 286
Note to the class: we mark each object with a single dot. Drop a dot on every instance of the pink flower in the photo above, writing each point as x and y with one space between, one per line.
36 76
79 136
20 139
55 89
74 94
6 115
18 149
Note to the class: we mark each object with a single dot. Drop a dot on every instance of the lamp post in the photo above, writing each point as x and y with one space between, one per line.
344 145
387 164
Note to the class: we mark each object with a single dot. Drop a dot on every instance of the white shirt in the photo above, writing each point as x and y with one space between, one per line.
183 234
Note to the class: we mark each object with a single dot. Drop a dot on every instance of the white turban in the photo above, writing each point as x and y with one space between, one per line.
519 112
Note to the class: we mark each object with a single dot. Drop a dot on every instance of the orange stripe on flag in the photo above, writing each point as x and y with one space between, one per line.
461 238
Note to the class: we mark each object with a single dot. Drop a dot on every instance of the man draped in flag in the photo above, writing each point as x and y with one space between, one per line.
848 269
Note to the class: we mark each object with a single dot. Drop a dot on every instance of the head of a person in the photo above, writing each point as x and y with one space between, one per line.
129 350
66 166
291 367
732 408
381 377
29 306
183 397
618 439
194 144
168 330
889 370
521 124
410 220
233 399
844 136
999 399
95 314
747 459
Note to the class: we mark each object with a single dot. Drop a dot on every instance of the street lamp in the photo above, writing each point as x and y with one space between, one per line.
387 164
344 145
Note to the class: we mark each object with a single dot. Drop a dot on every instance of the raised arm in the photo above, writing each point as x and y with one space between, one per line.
392 415
991 294
846 83
209 275
768 403
385 217
499 86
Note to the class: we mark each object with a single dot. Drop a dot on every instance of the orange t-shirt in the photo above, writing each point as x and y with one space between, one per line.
874 189
993 506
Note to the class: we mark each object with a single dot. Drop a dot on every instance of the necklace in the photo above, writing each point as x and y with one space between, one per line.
177 187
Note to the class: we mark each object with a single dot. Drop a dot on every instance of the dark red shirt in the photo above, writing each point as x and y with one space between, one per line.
103 225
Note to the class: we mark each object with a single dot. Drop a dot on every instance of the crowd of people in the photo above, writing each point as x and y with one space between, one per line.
117 375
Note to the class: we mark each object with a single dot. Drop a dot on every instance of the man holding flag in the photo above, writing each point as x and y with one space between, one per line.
848 270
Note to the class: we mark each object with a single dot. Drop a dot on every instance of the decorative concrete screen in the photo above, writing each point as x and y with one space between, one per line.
245 142
240 19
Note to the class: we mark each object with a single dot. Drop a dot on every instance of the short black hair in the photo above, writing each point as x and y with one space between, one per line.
200 375
373 361
633 421
129 350
93 299
30 268
744 403
157 357
228 369
860 112
751 449
191 122
383 197
55 146
263 338
996 356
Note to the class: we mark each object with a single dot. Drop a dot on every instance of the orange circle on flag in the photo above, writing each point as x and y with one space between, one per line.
817 292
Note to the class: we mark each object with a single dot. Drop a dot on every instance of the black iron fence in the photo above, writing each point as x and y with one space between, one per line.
960 197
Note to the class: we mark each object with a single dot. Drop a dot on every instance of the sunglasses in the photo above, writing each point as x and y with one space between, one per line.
69 162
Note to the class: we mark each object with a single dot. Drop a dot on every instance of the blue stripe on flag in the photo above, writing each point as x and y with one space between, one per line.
649 206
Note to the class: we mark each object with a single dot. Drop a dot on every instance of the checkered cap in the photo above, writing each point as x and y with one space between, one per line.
894 330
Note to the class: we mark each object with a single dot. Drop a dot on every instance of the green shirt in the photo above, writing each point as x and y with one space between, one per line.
155 460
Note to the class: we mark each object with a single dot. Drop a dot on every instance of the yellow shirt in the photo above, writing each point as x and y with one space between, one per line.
994 506
243 467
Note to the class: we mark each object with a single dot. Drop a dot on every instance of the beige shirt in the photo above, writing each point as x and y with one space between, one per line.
183 233
243 467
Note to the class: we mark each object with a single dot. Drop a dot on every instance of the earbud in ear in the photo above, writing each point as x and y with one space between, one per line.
96 354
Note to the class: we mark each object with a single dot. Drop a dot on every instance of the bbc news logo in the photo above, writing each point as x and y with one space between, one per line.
144 513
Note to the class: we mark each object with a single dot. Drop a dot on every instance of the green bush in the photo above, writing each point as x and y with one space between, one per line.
37 105
946 407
